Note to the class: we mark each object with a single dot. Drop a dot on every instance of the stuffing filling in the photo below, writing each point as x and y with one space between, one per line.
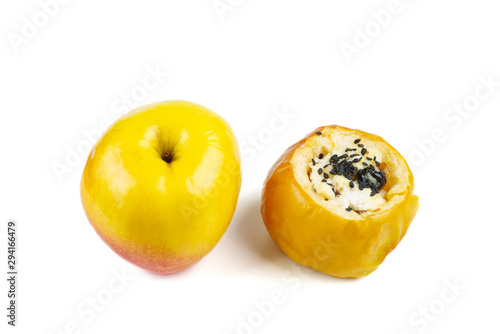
351 176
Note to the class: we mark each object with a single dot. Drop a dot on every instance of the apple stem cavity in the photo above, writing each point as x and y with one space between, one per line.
167 157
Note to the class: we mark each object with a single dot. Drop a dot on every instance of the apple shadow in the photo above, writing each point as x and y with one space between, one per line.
251 232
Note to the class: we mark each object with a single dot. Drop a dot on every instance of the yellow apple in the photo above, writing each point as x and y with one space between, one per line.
161 185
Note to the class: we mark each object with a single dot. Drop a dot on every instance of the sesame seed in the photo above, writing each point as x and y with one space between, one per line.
361 145
356 160
378 163
357 141
365 164
324 180
363 151
349 209
354 155
351 184
326 176
368 158
318 133
321 155
314 162
320 171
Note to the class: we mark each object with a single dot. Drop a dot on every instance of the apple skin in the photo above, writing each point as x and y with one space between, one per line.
161 185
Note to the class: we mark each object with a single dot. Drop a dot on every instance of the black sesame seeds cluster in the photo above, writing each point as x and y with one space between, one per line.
356 165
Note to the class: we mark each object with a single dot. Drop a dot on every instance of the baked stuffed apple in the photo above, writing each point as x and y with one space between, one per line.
339 201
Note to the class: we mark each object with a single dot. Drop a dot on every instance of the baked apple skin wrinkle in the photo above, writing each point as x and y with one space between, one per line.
161 186
339 201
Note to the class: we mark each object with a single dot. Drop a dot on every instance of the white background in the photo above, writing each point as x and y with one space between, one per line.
259 57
